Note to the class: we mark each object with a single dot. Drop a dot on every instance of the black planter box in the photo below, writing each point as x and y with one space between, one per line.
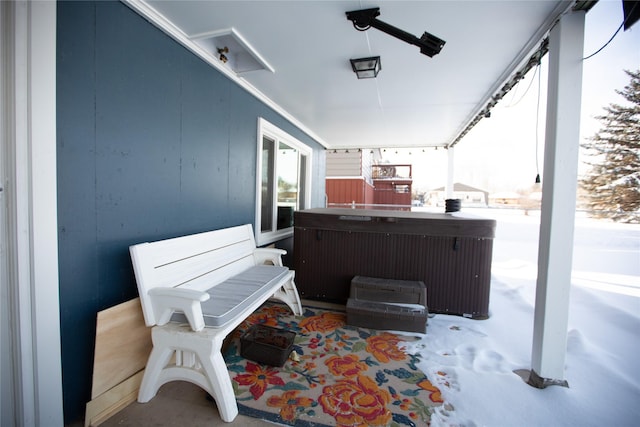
267 345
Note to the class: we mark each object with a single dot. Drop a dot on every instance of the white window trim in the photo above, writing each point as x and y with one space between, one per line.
265 128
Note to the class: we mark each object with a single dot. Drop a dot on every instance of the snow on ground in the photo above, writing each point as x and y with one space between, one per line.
475 362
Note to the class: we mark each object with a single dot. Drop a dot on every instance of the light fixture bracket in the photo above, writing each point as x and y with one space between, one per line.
364 19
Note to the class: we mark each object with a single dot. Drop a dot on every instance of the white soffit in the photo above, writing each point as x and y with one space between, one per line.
416 101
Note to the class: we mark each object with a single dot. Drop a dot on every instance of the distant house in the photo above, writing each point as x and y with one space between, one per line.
349 177
470 196
353 178
505 198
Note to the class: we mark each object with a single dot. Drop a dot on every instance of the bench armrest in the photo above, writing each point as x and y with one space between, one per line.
167 300
273 255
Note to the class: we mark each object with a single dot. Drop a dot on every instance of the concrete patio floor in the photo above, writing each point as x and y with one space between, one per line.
178 403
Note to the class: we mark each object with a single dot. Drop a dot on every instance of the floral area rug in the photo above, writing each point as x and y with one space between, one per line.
344 375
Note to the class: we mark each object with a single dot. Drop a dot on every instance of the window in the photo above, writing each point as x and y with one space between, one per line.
401 188
283 182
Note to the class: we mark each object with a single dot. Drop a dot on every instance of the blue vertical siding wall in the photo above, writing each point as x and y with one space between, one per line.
152 143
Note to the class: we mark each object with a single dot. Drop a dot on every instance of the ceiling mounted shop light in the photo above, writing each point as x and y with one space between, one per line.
366 68
364 19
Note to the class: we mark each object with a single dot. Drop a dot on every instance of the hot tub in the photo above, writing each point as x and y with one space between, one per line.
450 252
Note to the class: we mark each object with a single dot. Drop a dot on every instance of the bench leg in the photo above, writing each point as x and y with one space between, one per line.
221 387
288 294
158 359
207 369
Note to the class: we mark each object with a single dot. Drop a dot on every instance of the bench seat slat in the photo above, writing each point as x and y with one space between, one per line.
205 276
234 295
174 274
171 256
175 249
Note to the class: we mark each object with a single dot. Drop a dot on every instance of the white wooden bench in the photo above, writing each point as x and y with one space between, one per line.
194 291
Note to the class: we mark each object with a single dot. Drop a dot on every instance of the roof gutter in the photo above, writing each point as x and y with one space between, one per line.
519 67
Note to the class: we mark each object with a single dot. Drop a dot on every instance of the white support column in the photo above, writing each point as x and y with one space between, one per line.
448 190
31 358
558 201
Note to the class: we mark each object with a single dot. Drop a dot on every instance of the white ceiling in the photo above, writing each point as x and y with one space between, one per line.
415 101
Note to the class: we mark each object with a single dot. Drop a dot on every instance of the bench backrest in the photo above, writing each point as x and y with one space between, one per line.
198 261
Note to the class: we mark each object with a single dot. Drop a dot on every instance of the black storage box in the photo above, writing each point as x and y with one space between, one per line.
267 345
379 315
450 252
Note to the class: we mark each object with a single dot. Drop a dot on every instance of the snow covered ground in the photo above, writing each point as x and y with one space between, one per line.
475 362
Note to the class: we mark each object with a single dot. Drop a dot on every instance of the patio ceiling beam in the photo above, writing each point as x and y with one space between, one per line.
520 66
534 60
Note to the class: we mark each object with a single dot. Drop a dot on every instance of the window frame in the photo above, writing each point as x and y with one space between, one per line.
272 132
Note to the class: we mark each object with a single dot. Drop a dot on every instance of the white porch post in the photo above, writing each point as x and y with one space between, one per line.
30 358
448 190
558 201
